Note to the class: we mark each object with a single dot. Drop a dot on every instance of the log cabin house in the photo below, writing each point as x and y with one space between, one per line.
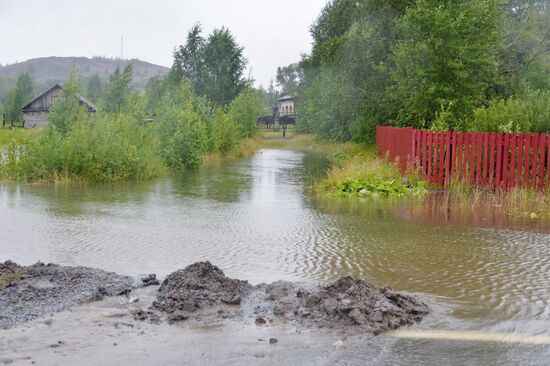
35 113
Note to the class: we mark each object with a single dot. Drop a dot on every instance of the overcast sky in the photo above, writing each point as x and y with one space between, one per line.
273 33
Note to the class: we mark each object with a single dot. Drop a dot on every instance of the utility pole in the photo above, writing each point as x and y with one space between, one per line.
122 47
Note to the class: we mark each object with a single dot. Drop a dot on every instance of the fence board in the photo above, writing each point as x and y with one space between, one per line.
430 148
499 160
534 160
437 156
512 166
542 150
505 162
442 157
485 159
520 160
461 156
492 142
548 163
455 151
448 155
471 157
527 160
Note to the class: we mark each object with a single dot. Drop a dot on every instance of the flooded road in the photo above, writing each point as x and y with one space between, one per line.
256 221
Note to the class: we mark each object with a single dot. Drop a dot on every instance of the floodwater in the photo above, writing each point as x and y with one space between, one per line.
488 280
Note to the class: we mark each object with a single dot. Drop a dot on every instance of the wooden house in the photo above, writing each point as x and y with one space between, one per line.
35 113
285 106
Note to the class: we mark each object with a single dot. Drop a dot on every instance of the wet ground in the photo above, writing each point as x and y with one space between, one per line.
486 279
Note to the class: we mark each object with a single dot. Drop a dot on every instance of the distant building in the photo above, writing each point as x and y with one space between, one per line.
35 113
284 112
285 106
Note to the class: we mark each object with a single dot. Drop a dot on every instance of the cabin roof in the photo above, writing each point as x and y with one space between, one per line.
285 97
82 100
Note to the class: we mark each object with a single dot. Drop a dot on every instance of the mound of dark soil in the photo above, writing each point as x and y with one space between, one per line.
198 286
348 301
33 291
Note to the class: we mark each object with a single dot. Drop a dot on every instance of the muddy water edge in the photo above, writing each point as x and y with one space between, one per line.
256 220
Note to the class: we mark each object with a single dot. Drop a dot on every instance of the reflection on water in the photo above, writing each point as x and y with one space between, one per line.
255 219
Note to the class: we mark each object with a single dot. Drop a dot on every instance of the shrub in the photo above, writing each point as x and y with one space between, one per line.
530 113
245 110
184 122
104 148
225 133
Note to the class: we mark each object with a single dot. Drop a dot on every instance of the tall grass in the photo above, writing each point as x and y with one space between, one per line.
19 135
518 202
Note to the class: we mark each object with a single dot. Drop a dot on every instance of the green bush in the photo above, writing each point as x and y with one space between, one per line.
360 175
225 133
528 114
245 110
184 124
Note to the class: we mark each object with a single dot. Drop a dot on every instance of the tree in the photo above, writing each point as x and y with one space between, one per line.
289 78
328 29
119 89
446 60
352 43
67 110
213 67
155 89
94 88
525 56
188 61
245 110
17 97
224 64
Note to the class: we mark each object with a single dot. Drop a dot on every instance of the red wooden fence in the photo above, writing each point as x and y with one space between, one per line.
498 160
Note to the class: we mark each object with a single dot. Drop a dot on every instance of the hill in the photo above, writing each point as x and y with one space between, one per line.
46 70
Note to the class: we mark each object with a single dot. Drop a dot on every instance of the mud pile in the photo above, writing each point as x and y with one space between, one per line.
33 291
198 286
348 301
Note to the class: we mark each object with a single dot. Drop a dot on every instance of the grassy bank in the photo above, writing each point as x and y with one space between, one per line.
365 175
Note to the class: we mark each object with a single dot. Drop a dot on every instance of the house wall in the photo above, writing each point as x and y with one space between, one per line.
286 108
35 119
